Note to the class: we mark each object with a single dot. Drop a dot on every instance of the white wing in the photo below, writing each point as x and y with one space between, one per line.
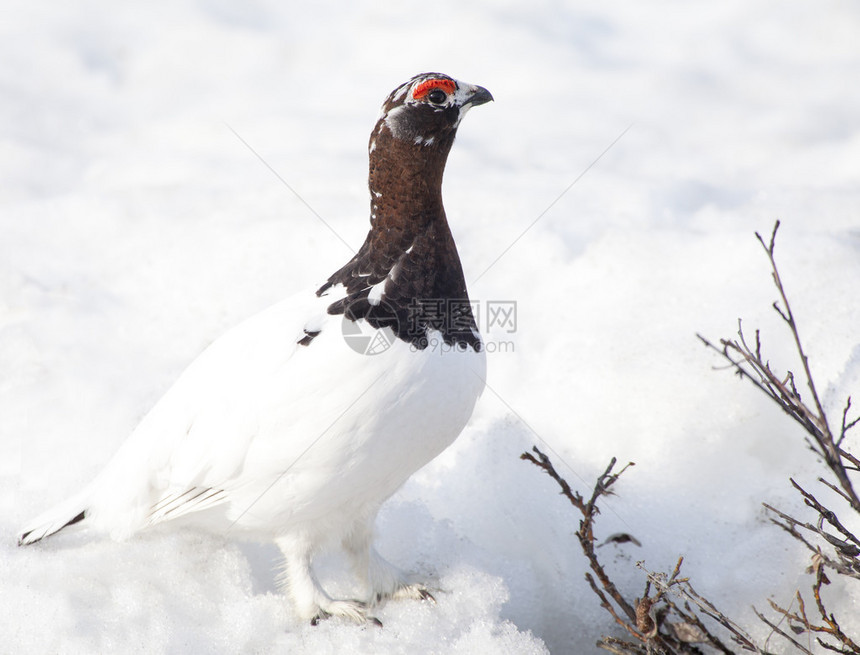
191 447
264 434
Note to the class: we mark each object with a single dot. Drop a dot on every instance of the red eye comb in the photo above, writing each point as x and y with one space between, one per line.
448 86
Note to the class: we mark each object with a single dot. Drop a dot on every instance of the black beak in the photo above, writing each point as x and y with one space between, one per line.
479 97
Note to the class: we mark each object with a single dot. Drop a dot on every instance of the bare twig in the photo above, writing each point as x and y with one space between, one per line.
657 625
800 621
846 424
777 630
589 510
844 565
682 588
749 363
788 316
851 549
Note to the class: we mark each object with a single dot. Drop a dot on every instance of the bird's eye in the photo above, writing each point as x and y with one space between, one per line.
437 96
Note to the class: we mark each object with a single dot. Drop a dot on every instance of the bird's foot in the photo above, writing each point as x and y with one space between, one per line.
354 610
408 592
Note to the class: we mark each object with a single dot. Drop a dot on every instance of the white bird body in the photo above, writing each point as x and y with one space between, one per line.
256 401
283 429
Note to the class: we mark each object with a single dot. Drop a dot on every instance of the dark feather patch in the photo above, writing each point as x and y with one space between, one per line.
77 519
310 335
409 242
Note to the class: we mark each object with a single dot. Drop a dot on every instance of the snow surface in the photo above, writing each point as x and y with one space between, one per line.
136 227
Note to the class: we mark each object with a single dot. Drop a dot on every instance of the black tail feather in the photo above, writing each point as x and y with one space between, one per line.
22 540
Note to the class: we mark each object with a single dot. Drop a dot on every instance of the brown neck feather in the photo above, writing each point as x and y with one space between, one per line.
409 247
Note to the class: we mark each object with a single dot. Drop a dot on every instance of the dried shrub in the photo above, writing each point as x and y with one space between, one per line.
671 617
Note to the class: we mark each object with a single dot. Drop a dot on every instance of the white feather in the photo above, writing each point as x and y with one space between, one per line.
267 438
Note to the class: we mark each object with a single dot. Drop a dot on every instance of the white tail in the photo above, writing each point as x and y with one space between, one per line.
69 512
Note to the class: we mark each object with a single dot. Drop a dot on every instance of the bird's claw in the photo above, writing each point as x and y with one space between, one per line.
354 610
424 594
407 592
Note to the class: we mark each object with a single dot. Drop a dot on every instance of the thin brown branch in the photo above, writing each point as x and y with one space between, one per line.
657 625
843 555
800 621
846 424
833 627
835 489
605 604
789 527
750 364
682 588
692 623
855 462
542 461
788 315
619 647
847 564
829 516
777 630
589 510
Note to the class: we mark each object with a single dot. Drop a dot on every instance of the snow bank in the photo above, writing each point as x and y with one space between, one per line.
135 228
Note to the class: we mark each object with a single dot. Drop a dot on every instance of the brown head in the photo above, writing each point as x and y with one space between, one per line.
415 130
409 259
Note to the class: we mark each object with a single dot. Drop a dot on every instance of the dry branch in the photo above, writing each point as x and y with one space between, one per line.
656 624
671 618
749 364
844 556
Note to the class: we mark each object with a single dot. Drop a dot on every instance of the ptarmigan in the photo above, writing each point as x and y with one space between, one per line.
297 424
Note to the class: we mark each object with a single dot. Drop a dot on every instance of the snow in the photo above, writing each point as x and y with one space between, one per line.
135 228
